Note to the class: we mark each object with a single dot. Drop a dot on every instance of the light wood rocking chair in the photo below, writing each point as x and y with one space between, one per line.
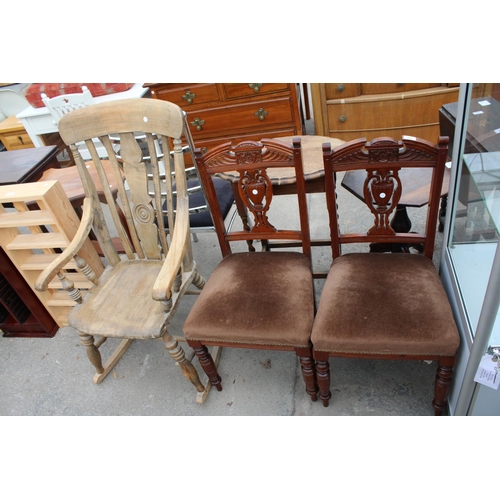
139 292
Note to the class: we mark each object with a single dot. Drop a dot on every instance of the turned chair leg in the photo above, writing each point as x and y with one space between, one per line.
177 353
92 351
442 385
207 363
308 369
323 374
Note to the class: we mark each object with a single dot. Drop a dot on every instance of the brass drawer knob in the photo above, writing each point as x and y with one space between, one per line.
255 86
189 97
198 123
340 87
342 118
261 113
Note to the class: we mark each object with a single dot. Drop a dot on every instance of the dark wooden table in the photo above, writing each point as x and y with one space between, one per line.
26 165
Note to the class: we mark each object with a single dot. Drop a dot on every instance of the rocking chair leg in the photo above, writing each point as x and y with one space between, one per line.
92 351
112 360
177 353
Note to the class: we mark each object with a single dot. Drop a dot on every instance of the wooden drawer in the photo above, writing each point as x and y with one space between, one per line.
233 119
394 111
188 95
253 90
388 88
16 140
342 90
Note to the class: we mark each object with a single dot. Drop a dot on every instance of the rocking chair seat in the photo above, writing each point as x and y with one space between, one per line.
124 290
263 298
391 304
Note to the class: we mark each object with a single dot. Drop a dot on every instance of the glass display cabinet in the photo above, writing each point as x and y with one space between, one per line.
470 260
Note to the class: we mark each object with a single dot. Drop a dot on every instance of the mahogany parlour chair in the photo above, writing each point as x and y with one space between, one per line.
139 292
255 300
384 305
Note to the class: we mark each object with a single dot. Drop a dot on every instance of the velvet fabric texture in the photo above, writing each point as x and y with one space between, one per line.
384 304
263 298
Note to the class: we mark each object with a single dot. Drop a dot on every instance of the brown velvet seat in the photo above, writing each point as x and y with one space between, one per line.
281 318
384 305
256 300
403 311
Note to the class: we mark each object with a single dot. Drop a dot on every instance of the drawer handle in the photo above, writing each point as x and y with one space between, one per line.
198 123
20 139
342 118
255 86
204 150
340 87
261 113
189 97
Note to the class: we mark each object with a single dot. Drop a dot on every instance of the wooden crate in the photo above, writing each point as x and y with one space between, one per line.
37 221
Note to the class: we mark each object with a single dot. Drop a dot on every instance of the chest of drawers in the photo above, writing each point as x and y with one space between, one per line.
221 112
352 110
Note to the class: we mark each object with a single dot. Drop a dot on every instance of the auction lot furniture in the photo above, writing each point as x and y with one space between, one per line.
256 300
37 222
384 305
351 110
221 112
138 294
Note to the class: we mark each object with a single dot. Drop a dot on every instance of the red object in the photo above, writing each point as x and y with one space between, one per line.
34 91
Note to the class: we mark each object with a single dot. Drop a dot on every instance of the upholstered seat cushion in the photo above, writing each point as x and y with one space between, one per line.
256 298
125 292
197 199
384 304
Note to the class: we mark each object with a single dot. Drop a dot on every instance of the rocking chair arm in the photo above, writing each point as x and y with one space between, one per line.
162 289
48 274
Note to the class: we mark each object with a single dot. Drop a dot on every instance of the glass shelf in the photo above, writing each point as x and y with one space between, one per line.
475 231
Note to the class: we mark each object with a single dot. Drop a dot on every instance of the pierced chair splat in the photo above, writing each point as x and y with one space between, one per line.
384 305
256 300
139 292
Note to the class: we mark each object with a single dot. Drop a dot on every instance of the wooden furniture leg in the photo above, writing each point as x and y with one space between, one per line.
308 371
323 374
443 382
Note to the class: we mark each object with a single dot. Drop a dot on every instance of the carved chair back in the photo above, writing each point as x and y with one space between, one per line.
383 160
250 165
144 128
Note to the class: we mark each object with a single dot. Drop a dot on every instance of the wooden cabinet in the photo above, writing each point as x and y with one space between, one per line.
220 112
13 134
352 110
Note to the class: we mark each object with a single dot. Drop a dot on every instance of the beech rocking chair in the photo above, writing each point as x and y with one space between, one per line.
139 292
